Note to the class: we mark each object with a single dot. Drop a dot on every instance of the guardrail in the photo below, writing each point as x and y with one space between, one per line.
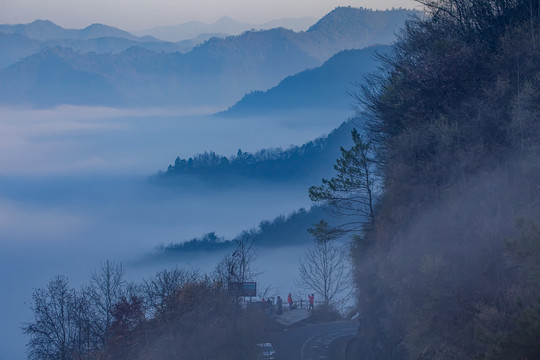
302 302
270 305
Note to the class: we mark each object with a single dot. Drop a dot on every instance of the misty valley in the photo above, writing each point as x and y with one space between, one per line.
362 185
88 191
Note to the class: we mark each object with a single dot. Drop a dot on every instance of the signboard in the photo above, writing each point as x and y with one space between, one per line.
246 288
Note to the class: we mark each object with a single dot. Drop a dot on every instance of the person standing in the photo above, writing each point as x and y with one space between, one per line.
311 298
270 306
289 300
279 305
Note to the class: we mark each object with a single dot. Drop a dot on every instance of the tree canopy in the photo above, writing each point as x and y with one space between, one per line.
453 120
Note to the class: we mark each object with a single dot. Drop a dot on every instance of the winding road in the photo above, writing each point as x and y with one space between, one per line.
314 341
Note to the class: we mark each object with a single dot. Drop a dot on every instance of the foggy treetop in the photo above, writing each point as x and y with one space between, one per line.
447 271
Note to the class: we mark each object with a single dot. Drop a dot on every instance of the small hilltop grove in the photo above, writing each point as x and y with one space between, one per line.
176 313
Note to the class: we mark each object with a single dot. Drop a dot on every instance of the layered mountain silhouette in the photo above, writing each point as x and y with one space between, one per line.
327 87
225 26
216 73
20 41
15 47
46 30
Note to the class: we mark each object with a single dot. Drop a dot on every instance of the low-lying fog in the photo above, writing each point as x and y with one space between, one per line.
74 192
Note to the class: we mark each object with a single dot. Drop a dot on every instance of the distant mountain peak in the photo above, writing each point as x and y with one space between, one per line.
347 16
226 18
44 24
97 26
41 21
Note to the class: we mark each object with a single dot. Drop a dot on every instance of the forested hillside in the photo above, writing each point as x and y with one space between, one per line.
310 161
450 267
285 230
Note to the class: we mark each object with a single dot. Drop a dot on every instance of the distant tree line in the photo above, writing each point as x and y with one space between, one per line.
284 230
309 160
207 242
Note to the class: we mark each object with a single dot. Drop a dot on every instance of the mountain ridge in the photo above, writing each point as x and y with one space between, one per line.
44 30
216 73
225 25
23 40
325 87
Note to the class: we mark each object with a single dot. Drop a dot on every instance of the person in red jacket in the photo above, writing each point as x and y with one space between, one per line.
311 298
289 300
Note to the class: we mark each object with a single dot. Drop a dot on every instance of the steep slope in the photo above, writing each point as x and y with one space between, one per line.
353 28
326 87
449 268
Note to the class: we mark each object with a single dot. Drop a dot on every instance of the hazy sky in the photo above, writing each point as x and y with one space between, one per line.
141 14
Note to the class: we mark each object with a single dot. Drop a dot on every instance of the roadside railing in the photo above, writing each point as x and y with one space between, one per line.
270 305
299 304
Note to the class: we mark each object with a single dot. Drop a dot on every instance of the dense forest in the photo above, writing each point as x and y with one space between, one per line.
309 161
449 269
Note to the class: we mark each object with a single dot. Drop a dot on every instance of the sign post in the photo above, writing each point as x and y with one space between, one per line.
242 288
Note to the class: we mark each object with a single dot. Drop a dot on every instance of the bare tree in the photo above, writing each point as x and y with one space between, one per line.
239 265
245 257
225 270
160 287
325 270
53 332
82 315
107 286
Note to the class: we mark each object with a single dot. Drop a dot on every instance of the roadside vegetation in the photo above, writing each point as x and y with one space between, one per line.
176 313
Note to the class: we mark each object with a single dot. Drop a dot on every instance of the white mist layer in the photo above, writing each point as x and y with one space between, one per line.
74 192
